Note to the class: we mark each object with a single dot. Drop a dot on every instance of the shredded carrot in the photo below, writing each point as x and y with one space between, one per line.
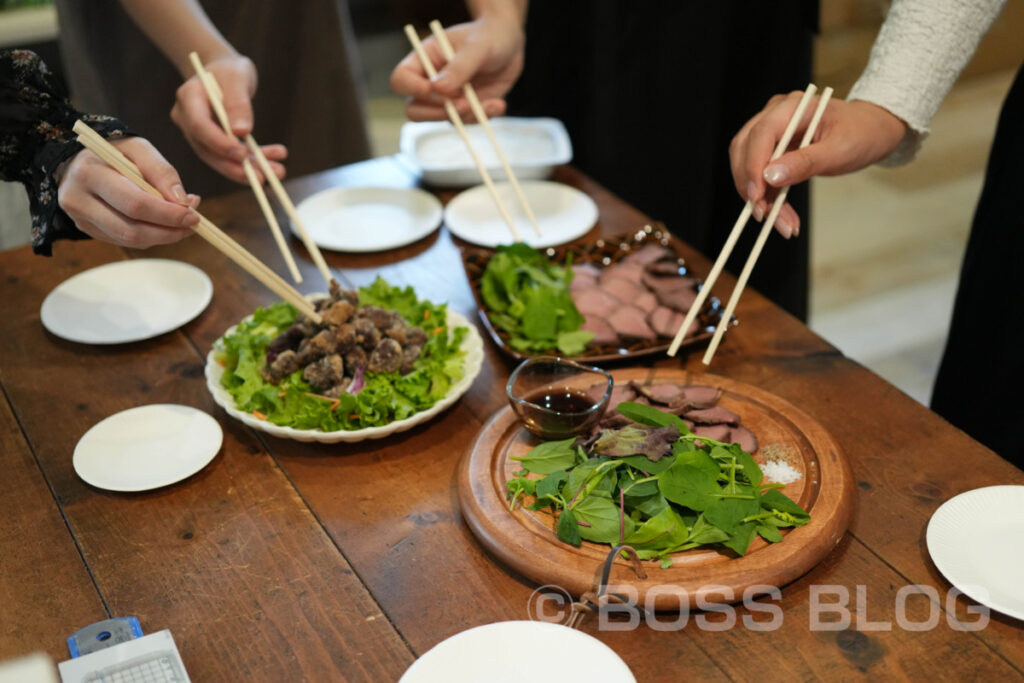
281 395
221 363
353 416
259 415
437 329
426 314
334 404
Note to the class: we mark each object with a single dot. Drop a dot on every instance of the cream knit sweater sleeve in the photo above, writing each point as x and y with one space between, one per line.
920 51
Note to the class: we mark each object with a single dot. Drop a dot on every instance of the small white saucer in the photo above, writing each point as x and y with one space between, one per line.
126 301
362 219
976 540
563 213
517 651
147 447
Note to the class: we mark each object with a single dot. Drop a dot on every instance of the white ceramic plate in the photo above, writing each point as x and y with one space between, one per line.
147 447
976 539
472 345
362 219
517 651
533 147
563 214
126 301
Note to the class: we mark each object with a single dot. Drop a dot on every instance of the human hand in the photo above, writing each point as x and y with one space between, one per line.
109 207
488 54
851 136
236 76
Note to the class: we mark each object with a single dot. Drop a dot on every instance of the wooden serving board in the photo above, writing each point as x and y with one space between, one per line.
526 540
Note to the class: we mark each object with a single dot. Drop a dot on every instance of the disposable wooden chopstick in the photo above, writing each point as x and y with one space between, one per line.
213 92
481 117
766 230
738 226
456 120
206 229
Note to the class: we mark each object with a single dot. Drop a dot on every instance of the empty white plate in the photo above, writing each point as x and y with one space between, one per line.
361 219
147 447
516 651
563 214
976 539
126 301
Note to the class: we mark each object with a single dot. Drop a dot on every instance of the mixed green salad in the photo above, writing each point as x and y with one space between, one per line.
528 297
383 397
649 485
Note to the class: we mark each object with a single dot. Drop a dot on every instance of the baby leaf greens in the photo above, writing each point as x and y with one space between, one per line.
651 486
528 297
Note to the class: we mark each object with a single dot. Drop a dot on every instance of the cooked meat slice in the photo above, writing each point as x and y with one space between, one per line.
338 389
622 289
595 391
620 393
367 334
338 313
289 339
325 373
318 346
386 356
713 416
662 393
415 335
700 396
717 432
678 299
283 365
595 301
345 338
355 358
630 323
646 302
586 270
744 437
666 322
649 253
664 268
612 420
624 270
409 355
604 335
667 283
581 282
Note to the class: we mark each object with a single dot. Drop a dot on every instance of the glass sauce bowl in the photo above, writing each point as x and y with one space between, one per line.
557 398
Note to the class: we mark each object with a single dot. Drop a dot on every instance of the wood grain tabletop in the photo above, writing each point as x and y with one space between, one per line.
284 560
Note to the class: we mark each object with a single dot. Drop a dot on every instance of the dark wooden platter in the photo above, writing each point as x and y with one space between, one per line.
526 541
600 253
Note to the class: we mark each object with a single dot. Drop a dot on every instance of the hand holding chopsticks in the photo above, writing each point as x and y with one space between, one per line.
93 141
737 230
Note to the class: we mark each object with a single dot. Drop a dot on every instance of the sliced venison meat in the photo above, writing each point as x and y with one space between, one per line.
646 301
678 299
620 393
622 289
713 416
700 396
595 302
627 271
649 253
586 270
665 268
658 283
604 334
662 393
595 391
581 282
717 432
630 322
666 322
744 437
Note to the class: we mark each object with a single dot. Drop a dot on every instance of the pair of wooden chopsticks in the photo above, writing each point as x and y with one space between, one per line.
481 117
216 96
741 223
94 142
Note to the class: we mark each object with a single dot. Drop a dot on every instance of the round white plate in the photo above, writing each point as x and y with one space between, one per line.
126 301
517 651
472 346
147 447
563 213
976 539
361 219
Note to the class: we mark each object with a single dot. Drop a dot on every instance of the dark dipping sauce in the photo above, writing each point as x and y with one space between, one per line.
558 413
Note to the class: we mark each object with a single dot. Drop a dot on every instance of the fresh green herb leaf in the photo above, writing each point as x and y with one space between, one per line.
568 528
550 456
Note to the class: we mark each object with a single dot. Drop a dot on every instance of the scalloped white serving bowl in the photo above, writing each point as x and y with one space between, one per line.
472 346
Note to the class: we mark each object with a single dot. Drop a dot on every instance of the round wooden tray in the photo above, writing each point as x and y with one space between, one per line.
526 540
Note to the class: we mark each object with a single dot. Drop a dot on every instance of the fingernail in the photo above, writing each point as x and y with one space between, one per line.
776 174
758 212
796 231
178 193
783 226
751 191
193 200
435 78
240 123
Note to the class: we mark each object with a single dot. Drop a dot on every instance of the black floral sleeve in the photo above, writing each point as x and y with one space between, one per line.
36 138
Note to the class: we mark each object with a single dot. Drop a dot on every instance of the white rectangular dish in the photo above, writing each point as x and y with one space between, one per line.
533 147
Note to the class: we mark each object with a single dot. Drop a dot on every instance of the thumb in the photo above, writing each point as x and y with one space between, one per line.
801 164
238 106
461 68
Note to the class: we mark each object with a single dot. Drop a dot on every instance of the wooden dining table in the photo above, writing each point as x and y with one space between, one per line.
288 561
